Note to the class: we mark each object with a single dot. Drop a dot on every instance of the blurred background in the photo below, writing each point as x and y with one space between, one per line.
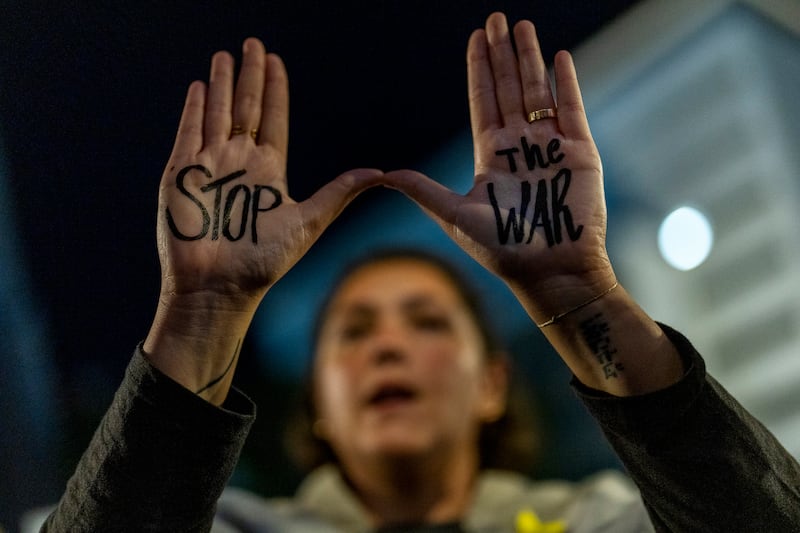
693 106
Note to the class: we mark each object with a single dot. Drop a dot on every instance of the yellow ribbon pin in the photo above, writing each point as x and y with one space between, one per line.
528 522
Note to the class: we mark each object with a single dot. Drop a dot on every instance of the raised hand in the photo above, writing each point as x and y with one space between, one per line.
226 221
536 214
227 227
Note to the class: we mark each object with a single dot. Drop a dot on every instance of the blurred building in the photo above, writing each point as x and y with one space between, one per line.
695 104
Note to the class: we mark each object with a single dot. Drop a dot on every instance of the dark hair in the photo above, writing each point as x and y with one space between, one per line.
510 442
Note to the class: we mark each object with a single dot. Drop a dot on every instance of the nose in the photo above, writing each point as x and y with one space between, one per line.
389 343
388 356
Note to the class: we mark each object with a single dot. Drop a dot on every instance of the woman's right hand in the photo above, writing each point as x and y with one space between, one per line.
227 227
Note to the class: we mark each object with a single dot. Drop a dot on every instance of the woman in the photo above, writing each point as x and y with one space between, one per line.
401 401
411 412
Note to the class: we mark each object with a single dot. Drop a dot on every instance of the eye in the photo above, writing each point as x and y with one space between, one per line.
431 322
355 330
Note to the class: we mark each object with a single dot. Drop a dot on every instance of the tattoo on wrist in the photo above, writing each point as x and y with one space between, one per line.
595 332
221 222
230 366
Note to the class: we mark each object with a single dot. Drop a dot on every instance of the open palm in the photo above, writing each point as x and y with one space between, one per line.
226 222
536 212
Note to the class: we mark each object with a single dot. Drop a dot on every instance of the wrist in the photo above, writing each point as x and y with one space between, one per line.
574 309
612 345
604 337
556 297
195 340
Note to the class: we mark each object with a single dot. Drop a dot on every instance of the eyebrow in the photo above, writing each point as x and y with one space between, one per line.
414 302
419 301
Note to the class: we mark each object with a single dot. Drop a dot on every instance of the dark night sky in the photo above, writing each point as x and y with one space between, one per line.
92 92
91 96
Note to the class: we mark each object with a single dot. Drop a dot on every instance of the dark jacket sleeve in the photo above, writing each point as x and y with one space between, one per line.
702 463
158 461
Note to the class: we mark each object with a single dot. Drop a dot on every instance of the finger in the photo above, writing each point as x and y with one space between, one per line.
430 195
536 90
217 125
324 206
505 69
249 87
189 139
571 113
483 111
275 107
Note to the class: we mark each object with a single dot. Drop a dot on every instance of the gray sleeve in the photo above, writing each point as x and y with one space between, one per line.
702 463
158 461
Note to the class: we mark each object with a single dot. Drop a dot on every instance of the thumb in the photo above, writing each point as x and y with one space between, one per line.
433 197
325 205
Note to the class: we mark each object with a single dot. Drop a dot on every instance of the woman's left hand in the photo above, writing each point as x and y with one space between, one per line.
536 214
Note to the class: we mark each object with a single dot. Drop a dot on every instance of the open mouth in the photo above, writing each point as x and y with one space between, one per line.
392 395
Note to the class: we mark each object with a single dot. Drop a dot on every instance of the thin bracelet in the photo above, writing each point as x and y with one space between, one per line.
556 318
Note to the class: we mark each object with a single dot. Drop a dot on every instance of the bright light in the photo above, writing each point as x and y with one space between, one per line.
685 238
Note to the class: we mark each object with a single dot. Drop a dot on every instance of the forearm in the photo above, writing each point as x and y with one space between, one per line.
701 461
605 338
158 461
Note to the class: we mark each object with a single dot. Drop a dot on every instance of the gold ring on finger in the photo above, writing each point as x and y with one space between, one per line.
254 133
539 114
237 130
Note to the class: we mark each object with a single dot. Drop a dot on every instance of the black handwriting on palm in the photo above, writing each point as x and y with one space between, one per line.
536 207
226 221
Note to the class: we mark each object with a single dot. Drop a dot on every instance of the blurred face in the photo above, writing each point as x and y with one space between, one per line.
399 368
